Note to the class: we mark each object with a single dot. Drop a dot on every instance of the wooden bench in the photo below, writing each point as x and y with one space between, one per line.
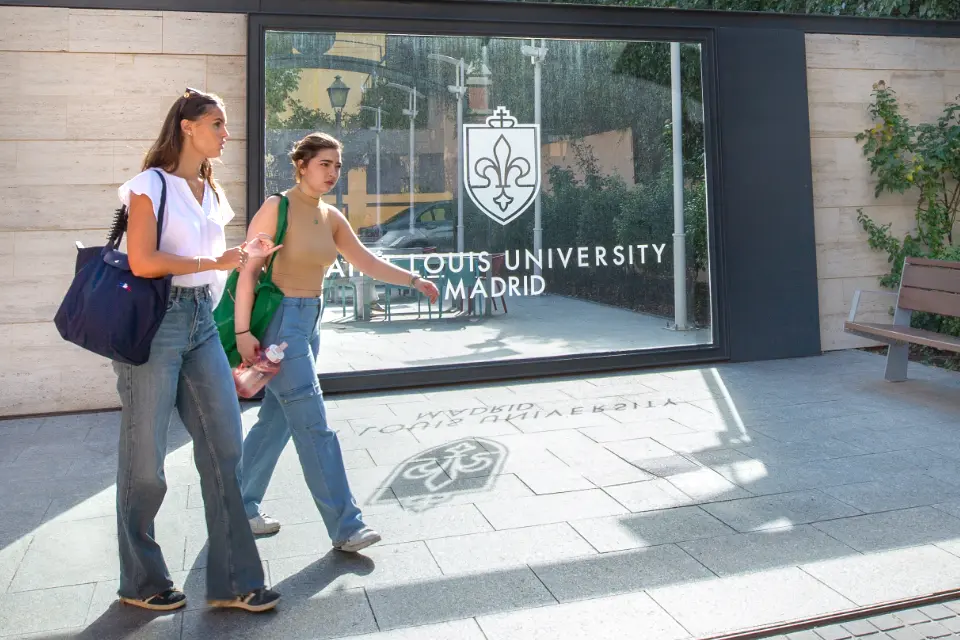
926 285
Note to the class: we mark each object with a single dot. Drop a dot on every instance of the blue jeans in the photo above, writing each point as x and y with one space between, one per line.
293 404
187 370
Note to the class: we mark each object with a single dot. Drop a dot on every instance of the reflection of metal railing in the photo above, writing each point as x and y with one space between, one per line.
464 277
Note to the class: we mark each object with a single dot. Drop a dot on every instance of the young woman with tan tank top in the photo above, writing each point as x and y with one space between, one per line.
293 401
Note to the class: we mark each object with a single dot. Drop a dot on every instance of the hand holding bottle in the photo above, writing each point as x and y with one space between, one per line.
249 379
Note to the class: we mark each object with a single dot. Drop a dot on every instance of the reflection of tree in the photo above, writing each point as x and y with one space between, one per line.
283 112
603 211
650 61
281 82
926 9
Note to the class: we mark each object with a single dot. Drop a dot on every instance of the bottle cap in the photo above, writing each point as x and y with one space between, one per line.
275 352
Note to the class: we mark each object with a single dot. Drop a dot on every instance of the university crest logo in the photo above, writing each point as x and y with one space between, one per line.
502 165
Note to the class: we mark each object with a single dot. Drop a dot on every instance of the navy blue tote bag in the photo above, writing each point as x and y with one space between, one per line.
108 310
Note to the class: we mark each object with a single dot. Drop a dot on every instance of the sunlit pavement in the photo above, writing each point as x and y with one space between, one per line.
656 504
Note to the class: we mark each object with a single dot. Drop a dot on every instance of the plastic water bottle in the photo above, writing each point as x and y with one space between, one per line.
250 379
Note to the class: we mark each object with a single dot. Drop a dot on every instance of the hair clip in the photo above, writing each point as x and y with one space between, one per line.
190 91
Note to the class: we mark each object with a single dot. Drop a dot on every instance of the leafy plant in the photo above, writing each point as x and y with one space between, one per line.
924 9
904 157
926 158
281 81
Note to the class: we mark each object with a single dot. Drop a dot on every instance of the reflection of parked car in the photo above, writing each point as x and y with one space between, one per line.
433 226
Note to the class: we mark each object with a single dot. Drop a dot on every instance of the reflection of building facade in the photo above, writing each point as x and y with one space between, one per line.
361 61
612 150
360 202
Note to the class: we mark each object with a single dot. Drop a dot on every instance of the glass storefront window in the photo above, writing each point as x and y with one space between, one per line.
532 179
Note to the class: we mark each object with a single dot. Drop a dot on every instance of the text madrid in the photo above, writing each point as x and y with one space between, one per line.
436 264
513 414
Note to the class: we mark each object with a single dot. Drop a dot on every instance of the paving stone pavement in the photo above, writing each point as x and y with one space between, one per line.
671 503
918 623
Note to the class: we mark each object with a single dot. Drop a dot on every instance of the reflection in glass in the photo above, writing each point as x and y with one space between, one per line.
584 265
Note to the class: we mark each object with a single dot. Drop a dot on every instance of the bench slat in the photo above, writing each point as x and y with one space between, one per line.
934 278
947 304
892 333
927 262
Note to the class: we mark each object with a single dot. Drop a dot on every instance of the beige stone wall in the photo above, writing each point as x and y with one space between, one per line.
841 71
82 95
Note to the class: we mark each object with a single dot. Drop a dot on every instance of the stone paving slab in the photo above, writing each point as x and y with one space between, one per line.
618 533
889 575
614 617
727 604
893 529
775 511
682 501
918 623
767 549
513 547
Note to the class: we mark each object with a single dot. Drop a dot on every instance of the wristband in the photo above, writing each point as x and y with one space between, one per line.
240 333
413 279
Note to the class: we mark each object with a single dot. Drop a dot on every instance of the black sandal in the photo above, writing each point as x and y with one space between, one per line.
167 601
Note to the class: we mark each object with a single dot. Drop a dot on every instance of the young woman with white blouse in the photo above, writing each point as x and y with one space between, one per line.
187 369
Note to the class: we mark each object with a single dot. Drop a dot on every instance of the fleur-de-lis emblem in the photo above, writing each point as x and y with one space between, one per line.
502 165
434 476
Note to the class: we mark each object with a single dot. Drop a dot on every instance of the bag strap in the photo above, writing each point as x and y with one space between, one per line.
163 206
281 229
122 218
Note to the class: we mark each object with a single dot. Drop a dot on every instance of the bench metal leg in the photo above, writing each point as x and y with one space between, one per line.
898 353
897 359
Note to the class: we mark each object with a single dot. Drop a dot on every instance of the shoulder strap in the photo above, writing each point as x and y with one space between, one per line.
281 228
281 219
122 218
163 206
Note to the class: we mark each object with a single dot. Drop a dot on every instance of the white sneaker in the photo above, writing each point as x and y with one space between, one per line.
360 540
262 525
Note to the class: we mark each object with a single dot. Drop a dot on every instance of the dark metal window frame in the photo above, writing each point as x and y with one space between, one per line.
407 19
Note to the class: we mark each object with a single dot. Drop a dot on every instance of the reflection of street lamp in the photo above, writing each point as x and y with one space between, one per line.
537 55
411 111
378 128
338 100
458 89
478 82
679 235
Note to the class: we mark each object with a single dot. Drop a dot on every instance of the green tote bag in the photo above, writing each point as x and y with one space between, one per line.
267 298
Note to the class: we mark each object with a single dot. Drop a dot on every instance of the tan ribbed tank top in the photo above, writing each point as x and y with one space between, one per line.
308 247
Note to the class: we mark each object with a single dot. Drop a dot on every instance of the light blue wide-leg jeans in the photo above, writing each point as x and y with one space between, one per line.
187 371
293 405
